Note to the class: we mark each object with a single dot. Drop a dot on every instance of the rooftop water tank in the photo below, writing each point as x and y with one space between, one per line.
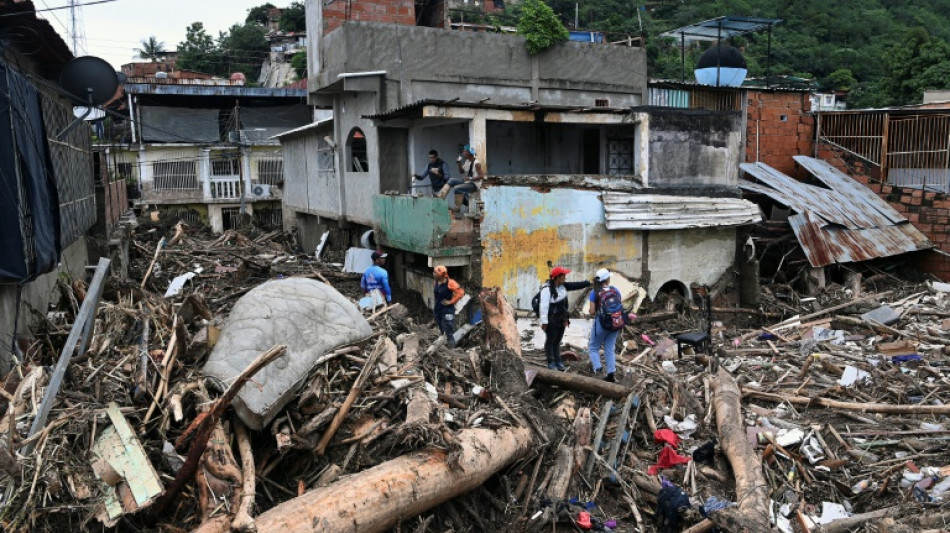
721 66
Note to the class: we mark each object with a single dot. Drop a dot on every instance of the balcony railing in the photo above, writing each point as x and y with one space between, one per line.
225 188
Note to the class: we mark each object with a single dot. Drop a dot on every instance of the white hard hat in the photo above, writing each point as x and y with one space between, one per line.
602 275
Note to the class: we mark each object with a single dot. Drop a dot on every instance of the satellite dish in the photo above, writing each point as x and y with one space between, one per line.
89 80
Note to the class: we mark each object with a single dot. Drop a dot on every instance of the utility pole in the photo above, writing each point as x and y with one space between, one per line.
76 34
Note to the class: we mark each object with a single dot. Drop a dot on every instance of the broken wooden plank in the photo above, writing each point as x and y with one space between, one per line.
87 313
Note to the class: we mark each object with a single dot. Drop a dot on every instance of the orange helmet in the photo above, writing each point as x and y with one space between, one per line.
440 270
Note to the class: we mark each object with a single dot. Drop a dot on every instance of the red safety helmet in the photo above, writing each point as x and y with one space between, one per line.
558 270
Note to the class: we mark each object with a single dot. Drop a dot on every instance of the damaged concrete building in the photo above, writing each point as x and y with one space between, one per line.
580 171
202 149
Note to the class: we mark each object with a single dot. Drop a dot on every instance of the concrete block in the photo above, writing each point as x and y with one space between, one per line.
310 317
882 315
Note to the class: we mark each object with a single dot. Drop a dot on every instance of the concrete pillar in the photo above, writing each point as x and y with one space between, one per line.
314 22
478 138
246 170
204 172
642 147
143 170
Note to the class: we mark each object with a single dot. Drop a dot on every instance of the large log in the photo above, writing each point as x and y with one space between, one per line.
579 383
501 330
378 498
752 491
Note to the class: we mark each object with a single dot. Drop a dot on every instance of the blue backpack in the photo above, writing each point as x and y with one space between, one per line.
610 310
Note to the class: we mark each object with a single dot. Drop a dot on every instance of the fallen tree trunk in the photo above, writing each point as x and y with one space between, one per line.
378 498
501 330
580 383
752 491
887 408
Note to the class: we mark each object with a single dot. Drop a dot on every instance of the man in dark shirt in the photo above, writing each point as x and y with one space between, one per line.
436 170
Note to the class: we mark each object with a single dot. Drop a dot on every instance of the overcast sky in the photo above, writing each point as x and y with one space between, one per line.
113 30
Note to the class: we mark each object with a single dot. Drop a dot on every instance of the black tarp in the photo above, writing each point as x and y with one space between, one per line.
29 205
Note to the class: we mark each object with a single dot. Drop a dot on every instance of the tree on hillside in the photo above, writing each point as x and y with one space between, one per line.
540 26
918 63
293 18
151 49
299 62
258 14
199 52
244 49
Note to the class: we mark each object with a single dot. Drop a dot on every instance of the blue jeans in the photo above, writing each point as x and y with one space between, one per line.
446 323
459 186
602 337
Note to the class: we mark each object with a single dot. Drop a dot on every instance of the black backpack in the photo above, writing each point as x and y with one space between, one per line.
536 301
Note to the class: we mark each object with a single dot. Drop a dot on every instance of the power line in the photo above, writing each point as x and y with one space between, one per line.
34 11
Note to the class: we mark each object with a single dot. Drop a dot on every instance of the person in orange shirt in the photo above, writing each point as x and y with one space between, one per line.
447 293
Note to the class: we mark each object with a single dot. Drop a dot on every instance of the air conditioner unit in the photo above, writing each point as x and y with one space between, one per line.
260 191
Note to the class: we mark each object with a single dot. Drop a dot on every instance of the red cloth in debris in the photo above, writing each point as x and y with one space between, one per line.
667 436
668 458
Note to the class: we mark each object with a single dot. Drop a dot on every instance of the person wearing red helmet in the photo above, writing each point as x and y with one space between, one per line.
553 312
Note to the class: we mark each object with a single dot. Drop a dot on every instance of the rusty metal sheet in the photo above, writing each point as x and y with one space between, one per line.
858 195
820 201
834 244
664 212
843 224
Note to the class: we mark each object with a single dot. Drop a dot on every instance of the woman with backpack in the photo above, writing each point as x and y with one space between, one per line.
606 306
553 311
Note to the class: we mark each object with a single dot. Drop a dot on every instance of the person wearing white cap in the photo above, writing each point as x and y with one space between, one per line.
606 306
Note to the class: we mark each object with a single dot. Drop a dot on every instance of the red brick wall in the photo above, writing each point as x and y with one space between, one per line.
927 211
391 11
773 139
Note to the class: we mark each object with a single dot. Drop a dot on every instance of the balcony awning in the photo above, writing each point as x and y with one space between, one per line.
666 212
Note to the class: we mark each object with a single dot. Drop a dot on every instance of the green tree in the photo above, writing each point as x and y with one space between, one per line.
839 80
199 52
540 26
244 49
293 18
299 62
151 49
258 14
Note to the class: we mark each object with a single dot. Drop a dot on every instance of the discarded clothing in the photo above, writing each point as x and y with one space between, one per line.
669 502
666 436
705 454
714 503
668 458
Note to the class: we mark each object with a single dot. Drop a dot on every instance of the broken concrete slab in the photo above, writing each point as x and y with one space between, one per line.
310 317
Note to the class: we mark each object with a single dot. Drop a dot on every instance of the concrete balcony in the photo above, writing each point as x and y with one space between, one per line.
422 225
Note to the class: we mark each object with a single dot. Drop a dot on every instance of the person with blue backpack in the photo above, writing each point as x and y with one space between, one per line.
554 313
606 306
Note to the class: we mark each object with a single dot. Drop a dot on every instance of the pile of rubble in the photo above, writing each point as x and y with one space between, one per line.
233 382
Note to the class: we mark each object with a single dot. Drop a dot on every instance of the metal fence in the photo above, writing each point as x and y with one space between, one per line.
696 98
912 150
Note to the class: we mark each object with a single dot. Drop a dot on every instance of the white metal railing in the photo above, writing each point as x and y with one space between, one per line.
227 188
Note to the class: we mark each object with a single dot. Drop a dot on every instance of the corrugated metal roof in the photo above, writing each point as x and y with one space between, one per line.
721 28
664 212
841 224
